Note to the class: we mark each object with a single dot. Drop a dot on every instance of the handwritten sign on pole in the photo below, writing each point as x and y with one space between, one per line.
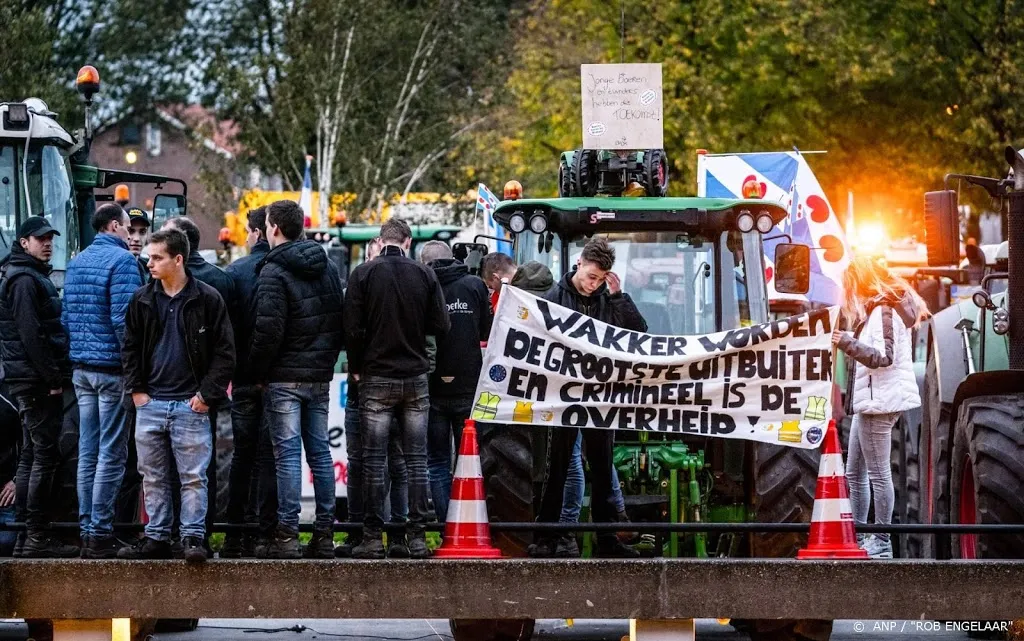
622 106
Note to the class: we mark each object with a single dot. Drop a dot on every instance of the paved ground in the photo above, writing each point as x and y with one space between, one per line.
547 630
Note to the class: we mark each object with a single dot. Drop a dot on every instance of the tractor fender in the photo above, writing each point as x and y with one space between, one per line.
947 347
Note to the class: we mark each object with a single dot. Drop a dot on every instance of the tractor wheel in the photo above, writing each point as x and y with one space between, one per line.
784 482
506 460
492 629
584 173
564 179
987 474
906 475
933 440
655 174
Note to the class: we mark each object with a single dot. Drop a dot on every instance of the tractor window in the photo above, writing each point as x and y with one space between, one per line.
49 181
527 249
8 199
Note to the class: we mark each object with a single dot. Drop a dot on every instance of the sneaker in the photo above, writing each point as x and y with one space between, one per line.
609 547
321 546
344 551
372 547
418 547
44 546
878 548
146 548
861 540
285 545
177 549
397 547
193 550
543 549
101 547
567 548
232 548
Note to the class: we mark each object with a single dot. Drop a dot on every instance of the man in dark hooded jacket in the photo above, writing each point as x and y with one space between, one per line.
533 277
295 345
459 360
595 291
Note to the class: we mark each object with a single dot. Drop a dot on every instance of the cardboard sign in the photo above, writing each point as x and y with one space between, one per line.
622 106
548 365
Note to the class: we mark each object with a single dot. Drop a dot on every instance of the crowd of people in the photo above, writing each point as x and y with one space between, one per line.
154 341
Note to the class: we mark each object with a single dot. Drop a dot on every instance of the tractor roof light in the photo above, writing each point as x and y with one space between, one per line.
765 222
513 190
517 223
17 115
745 221
538 223
88 81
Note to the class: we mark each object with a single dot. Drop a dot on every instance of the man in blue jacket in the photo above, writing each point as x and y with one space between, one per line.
97 289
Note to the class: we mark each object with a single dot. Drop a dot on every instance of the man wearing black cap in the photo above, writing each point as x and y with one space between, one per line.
34 349
138 237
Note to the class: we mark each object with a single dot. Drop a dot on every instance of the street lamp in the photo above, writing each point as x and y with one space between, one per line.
131 157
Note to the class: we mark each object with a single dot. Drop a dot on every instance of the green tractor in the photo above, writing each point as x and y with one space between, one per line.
691 270
589 172
965 461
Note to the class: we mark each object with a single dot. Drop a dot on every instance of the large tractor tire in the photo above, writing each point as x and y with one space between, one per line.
655 173
906 475
506 460
987 474
784 481
933 445
584 176
565 183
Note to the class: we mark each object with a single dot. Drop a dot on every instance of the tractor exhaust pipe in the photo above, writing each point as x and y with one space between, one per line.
1015 240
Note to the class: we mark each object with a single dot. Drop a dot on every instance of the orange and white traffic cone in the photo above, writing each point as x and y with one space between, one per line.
832 534
467 532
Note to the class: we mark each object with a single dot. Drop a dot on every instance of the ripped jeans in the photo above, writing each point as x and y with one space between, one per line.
868 470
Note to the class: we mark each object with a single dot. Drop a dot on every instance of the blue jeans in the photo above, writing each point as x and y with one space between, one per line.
447 416
575 484
396 485
7 537
102 448
381 400
166 430
298 417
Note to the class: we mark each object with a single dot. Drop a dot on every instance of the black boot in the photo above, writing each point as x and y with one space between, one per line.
372 546
285 545
232 548
193 549
321 546
609 547
567 548
397 547
418 547
544 548
101 547
40 545
146 548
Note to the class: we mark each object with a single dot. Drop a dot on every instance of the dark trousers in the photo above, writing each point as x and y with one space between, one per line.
252 462
42 417
597 444
447 416
126 510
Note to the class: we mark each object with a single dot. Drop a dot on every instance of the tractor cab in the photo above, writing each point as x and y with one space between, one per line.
692 265
346 244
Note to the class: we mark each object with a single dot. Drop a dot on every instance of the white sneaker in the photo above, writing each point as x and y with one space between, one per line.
877 548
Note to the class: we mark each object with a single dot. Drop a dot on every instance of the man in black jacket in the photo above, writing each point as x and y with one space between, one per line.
178 357
34 352
393 304
251 437
295 345
594 290
459 360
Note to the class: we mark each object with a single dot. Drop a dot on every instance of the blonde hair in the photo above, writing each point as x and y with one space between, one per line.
865 279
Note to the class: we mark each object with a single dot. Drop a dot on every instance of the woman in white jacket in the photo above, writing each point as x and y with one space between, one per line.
883 309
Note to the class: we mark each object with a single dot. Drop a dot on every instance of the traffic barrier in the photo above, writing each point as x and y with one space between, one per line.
832 534
467 532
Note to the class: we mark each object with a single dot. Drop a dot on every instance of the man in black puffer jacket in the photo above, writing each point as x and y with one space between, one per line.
595 291
459 360
34 350
295 345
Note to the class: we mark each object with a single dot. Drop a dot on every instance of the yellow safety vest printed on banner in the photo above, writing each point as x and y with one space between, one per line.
486 408
815 408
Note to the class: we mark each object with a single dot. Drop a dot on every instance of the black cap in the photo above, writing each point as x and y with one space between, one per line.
137 213
36 226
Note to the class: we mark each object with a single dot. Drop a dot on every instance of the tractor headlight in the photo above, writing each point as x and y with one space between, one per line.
745 221
1001 321
538 223
765 222
517 223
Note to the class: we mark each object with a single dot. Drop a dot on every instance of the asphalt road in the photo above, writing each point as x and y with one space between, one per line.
547 630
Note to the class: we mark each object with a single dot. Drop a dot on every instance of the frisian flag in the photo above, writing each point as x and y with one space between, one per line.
306 198
785 178
486 203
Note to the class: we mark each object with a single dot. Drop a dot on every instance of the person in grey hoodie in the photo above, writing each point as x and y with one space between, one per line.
884 309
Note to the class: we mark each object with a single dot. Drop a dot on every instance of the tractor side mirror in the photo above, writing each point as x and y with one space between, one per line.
472 254
167 206
942 228
792 268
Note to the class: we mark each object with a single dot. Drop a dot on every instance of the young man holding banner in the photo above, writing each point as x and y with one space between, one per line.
594 290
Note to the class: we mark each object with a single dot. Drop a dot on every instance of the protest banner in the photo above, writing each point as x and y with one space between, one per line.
548 365
622 106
